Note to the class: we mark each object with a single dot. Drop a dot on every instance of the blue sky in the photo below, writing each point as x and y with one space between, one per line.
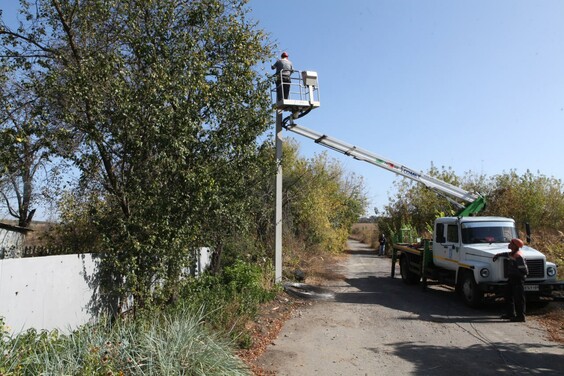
473 85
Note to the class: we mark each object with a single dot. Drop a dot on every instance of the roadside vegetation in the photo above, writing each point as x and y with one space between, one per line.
217 304
528 198
195 335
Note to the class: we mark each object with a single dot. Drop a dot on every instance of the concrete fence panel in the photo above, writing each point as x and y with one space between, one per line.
56 292
51 292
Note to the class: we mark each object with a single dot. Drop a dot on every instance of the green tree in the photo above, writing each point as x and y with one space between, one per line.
255 240
528 198
164 106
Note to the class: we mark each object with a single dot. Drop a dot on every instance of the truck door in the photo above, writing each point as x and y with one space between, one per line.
452 242
446 245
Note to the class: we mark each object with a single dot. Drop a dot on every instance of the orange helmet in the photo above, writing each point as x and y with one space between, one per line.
518 242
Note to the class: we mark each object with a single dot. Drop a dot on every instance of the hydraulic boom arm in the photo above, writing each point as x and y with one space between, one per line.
449 191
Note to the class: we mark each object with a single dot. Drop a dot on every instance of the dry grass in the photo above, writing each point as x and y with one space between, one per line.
366 233
318 270
264 329
551 243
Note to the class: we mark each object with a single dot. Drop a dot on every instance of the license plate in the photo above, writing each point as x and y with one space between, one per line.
531 287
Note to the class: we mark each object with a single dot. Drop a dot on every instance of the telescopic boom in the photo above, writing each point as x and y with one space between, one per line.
474 201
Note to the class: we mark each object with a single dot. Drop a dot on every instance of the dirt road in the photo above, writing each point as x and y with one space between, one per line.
377 325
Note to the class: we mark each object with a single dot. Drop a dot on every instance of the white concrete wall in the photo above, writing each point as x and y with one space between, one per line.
53 292
48 292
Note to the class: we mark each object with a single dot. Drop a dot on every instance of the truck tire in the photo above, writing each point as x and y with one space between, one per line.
470 291
407 276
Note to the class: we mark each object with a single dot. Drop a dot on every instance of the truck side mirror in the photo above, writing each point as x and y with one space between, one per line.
528 232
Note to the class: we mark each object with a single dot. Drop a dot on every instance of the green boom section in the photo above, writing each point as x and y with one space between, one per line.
474 207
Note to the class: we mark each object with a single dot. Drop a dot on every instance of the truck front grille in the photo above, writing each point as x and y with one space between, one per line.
536 268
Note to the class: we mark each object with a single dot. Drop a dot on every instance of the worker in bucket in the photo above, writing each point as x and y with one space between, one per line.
284 70
516 273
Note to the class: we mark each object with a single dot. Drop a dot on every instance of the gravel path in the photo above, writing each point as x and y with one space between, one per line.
377 325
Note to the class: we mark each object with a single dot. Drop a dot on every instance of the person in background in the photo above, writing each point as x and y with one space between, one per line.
283 68
382 250
516 273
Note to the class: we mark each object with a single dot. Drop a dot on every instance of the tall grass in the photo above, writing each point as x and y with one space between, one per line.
551 243
177 343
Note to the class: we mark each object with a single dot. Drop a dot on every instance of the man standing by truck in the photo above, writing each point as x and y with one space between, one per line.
516 273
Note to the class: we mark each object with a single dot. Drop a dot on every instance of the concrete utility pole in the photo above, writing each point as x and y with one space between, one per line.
302 97
278 215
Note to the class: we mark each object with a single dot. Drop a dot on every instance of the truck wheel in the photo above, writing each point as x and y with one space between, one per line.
407 276
470 292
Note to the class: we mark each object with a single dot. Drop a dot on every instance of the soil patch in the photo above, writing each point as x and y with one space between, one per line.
265 328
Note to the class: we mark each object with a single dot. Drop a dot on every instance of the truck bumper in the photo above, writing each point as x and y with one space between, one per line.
532 288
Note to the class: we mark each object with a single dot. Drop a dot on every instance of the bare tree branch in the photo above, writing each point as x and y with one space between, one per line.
27 39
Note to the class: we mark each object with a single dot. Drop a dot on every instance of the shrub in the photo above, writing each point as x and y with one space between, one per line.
231 298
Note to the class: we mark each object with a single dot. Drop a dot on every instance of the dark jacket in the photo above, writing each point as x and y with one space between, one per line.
516 267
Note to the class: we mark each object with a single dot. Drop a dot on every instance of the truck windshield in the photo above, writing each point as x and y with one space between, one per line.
488 232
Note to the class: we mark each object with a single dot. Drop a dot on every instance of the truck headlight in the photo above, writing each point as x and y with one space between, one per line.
485 273
551 271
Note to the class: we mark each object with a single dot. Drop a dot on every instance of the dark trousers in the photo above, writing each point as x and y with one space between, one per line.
283 89
515 296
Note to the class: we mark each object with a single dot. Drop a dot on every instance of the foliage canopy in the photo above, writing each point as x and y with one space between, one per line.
159 107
